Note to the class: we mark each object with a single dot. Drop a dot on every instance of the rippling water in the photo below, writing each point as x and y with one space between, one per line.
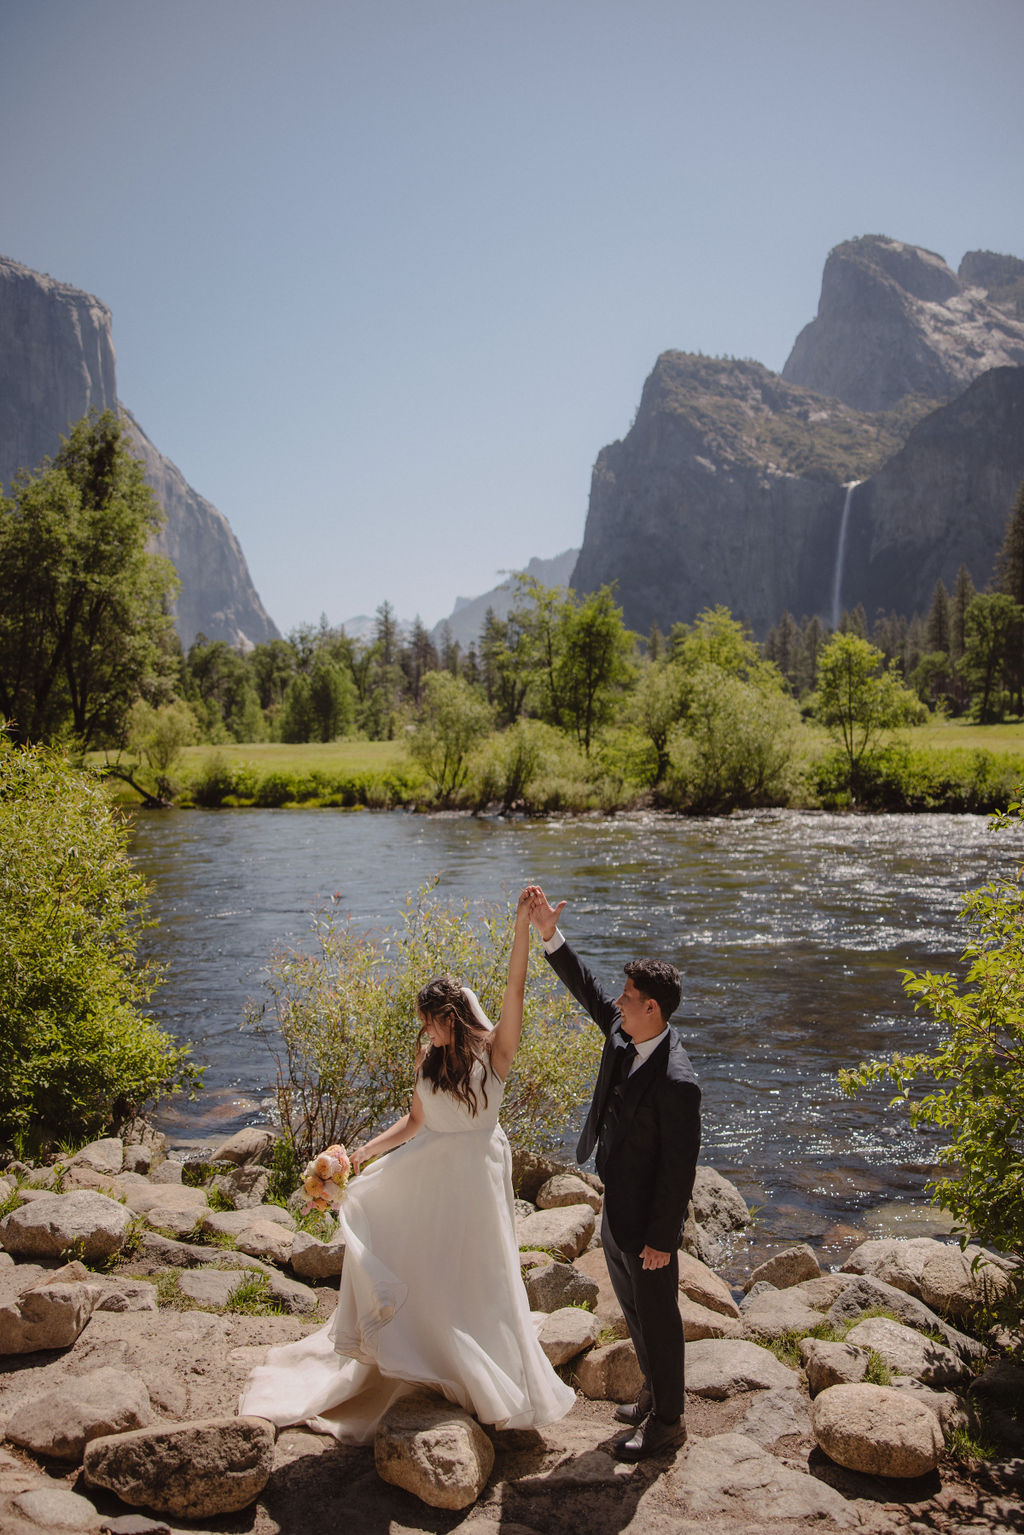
791 930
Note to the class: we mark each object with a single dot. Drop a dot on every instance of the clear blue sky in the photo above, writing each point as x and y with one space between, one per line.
387 274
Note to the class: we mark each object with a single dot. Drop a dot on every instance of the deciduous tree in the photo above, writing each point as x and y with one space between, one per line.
85 625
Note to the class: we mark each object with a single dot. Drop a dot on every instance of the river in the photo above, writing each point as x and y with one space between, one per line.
791 929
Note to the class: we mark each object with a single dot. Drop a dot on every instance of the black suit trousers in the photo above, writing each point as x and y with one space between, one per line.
650 1303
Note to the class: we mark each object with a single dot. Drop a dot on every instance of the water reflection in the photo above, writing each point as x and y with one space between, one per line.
791 930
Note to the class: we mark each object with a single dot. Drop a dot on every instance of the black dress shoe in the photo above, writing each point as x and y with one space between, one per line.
653 1437
635 1412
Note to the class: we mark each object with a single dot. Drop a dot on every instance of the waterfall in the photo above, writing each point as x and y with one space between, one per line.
837 578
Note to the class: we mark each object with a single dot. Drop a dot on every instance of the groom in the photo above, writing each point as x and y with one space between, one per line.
645 1122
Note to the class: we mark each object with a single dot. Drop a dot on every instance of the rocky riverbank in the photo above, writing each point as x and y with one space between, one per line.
131 1312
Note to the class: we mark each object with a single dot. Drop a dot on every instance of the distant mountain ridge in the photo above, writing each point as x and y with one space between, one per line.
467 618
730 485
56 364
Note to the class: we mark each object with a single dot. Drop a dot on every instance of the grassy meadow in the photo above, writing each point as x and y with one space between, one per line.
942 765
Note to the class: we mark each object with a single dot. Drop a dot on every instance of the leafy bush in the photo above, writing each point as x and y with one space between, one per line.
901 777
974 1076
213 783
273 790
341 1022
735 747
79 1055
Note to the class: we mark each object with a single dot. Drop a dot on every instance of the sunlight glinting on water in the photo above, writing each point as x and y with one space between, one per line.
791 930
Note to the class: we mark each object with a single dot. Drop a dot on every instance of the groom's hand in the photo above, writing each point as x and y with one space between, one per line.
543 915
652 1258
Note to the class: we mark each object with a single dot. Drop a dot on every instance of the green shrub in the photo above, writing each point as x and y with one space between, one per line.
273 790
341 1022
79 1054
902 777
213 783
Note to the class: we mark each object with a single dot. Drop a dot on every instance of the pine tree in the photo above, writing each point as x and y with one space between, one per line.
937 629
1009 573
963 593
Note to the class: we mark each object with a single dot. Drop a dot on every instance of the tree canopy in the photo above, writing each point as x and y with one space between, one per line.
85 625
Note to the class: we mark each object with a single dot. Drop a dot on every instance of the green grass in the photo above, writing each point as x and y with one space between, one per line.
342 756
964 1446
252 1297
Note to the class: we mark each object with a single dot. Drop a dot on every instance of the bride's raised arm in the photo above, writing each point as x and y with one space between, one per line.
505 1040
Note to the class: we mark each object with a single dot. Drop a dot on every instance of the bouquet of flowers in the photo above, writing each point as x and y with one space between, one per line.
324 1179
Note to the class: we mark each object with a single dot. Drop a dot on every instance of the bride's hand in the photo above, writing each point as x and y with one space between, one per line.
357 1158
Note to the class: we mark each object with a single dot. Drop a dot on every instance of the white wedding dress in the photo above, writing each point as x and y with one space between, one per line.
431 1291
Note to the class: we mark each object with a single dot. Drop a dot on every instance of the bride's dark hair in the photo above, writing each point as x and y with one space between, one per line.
448 1067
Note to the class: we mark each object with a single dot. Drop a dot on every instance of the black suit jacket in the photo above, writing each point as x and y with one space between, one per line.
651 1160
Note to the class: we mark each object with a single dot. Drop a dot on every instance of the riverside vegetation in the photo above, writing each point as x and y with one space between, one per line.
557 707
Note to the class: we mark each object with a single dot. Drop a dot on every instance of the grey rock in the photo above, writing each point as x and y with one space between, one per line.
433 1450
244 1186
567 1189
832 1364
907 1352
761 1287
530 1171
775 1312
61 1422
720 1368
774 1415
234 1221
209 1287
51 1317
155 1200
702 1285
89 1223
877 1430
190 1471
568 1332
550 1286
897 1262
729 1476
785 1269
717 1205
611 1373
266 1239
312 1259
701 1322
103 1156
253 1144
297 1299
566 1230
946 1405
958 1283
864 1293
169 1171
57 1511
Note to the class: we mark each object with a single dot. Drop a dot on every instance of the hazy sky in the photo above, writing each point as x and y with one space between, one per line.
387 274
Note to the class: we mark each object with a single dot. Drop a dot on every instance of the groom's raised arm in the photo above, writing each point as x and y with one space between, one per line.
567 965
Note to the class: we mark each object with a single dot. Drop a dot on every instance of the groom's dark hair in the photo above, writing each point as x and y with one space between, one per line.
659 980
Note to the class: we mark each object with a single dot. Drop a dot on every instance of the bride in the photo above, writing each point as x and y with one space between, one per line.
431 1292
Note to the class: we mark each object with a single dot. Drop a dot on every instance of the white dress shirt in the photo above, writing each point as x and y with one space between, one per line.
644 1048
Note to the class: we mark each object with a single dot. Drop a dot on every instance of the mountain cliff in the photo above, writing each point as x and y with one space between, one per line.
57 364
731 485
894 320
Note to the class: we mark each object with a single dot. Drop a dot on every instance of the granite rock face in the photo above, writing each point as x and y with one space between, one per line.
893 320
731 485
56 364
